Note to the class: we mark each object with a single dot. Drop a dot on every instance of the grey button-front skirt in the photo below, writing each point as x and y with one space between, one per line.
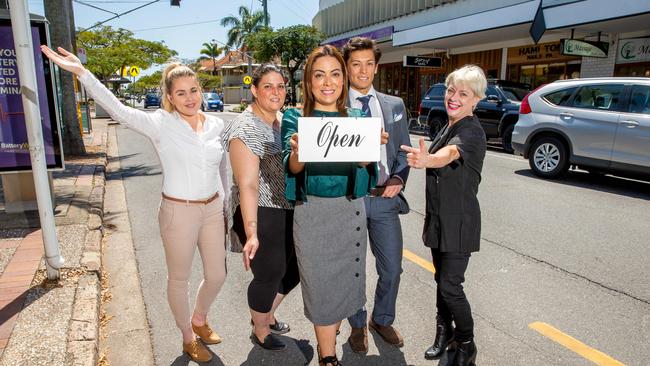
330 236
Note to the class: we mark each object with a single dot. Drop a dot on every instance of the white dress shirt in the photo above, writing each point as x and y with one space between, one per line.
375 110
194 164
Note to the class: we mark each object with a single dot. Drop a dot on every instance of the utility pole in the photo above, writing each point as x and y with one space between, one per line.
59 14
266 13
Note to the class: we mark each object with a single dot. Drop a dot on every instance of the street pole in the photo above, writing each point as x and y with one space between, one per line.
21 28
266 13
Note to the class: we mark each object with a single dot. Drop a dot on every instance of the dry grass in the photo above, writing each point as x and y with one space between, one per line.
67 277
105 297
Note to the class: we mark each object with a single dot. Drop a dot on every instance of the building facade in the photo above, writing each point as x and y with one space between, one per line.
495 35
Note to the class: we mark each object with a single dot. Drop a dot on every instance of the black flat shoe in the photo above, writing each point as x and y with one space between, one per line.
444 337
271 342
329 360
279 327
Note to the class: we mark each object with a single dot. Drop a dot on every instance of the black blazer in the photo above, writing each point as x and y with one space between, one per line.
453 216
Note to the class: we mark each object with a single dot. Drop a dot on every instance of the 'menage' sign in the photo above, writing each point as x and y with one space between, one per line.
338 139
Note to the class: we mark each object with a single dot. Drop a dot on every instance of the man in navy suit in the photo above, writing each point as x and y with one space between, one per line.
386 202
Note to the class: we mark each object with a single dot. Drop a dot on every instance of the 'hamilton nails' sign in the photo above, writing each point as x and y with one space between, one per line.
338 139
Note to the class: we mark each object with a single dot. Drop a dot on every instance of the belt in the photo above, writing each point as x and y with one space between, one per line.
378 191
203 202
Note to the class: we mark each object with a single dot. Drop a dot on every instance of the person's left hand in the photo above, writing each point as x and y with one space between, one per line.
384 137
417 157
393 187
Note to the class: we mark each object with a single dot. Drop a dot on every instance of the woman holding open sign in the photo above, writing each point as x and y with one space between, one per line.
329 216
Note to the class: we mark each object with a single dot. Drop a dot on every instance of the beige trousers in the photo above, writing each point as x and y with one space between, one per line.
182 227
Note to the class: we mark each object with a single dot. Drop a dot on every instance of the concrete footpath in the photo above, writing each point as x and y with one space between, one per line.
46 322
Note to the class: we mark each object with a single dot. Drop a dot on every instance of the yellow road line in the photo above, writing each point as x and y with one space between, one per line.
419 261
574 345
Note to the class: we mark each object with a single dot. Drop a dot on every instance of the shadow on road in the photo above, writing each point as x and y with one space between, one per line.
291 356
604 183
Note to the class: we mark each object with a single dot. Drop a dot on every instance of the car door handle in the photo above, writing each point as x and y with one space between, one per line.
630 123
566 115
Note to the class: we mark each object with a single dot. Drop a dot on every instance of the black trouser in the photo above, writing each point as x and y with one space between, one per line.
451 301
275 269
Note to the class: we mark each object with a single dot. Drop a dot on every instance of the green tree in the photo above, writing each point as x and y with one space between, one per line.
211 51
291 44
146 83
110 50
208 82
241 28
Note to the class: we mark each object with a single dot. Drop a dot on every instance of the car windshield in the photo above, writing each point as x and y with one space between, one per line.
211 96
514 93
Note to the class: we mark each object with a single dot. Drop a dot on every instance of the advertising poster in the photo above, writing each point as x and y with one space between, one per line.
14 148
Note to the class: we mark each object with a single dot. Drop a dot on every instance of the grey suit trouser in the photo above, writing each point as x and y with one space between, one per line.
385 232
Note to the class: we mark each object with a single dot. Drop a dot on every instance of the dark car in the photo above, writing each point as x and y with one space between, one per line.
212 102
151 100
498 111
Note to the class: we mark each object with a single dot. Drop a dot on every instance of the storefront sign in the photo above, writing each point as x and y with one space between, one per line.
379 35
575 47
14 147
633 50
543 52
338 139
421 61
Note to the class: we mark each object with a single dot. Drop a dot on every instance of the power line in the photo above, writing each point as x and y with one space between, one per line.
293 11
118 15
175 26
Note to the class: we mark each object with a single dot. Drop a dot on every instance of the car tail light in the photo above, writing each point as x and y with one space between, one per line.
420 110
524 108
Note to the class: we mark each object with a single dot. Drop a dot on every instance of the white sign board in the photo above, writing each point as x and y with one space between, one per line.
338 139
633 50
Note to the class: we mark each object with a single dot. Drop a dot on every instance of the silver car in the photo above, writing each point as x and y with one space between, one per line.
601 125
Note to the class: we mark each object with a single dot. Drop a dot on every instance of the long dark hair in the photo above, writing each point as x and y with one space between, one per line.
309 102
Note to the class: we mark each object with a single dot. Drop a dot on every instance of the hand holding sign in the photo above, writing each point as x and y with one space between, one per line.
417 157
384 137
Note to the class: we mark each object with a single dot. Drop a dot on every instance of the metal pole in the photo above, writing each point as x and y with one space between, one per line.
266 13
21 28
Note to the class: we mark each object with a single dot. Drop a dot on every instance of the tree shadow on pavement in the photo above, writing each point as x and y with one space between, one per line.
603 183
290 357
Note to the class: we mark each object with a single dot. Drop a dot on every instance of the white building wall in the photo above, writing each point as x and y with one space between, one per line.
593 67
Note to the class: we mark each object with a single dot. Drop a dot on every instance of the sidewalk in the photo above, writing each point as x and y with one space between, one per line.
46 322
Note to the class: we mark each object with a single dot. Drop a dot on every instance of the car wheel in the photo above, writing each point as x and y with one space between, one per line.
506 139
548 157
435 124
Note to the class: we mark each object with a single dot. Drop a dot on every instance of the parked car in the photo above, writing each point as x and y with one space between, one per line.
498 111
212 102
151 100
601 125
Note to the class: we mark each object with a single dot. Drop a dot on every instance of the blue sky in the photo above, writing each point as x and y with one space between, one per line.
187 27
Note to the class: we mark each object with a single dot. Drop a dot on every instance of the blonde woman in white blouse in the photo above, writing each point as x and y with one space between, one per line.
191 153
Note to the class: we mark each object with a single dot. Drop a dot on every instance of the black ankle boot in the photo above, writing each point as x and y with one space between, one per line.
465 354
444 336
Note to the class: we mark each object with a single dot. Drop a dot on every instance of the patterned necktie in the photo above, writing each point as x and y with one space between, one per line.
365 105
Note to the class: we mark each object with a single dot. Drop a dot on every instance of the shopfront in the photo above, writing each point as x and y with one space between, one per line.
540 64
633 57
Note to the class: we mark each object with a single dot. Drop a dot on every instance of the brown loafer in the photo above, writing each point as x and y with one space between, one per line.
207 335
197 351
359 340
388 333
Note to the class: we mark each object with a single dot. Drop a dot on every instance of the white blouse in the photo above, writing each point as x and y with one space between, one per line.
194 164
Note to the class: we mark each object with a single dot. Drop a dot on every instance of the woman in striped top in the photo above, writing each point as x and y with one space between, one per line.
262 216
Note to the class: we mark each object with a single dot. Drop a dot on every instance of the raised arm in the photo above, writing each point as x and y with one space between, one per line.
143 122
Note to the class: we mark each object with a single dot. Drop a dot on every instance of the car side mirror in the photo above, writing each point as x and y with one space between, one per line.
493 99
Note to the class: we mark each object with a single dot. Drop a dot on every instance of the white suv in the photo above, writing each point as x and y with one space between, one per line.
601 125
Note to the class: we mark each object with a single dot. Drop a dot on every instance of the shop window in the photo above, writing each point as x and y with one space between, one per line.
600 97
573 70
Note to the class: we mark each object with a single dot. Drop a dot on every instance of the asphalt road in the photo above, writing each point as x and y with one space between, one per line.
567 257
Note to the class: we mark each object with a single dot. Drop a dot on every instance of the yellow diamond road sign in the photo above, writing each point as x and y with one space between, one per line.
248 80
134 71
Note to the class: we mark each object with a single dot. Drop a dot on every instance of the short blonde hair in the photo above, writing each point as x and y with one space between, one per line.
471 76
171 73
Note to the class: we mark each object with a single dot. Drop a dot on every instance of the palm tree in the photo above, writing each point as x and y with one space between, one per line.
242 27
211 50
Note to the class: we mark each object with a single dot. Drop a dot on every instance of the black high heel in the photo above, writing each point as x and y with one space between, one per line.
329 360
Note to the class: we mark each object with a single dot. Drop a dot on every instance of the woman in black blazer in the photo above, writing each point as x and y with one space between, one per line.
452 225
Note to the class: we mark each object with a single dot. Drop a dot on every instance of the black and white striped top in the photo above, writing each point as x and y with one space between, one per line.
264 141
